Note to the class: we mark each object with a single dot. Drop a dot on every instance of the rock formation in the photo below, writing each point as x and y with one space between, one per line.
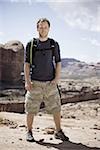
79 90
11 63
75 69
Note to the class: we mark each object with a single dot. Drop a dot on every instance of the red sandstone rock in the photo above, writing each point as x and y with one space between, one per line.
11 61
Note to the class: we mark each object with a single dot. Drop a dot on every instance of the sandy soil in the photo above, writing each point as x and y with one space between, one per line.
82 128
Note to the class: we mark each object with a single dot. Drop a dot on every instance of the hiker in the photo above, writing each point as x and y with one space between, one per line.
42 55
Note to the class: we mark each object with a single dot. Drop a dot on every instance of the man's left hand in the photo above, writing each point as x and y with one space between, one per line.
54 81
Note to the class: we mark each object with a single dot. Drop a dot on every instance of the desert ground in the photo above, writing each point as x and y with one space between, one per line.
80 121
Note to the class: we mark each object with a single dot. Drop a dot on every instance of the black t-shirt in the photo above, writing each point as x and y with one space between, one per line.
44 60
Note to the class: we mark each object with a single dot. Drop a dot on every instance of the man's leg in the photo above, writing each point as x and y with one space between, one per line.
29 121
57 120
53 105
32 105
59 133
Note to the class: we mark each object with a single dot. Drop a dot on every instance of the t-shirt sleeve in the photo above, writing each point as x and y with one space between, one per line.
57 53
27 53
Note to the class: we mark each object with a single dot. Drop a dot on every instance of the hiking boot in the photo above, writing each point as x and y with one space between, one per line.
60 135
29 136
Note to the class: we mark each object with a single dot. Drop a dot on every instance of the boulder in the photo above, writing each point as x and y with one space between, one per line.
11 62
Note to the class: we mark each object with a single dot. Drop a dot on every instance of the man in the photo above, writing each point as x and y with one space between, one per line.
42 86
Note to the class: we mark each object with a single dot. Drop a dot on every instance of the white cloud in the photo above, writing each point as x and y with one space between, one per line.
27 1
21 1
95 42
1 33
92 41
83 15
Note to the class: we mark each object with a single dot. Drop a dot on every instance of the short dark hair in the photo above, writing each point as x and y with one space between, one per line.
43 20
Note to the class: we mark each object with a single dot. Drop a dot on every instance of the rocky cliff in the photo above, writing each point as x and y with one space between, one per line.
75 69
11 63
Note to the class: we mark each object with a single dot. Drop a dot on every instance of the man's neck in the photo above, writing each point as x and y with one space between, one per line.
43 39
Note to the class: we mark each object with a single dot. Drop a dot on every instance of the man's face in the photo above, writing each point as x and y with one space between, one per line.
43 29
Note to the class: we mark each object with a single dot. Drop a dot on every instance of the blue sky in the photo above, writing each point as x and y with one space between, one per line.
75 24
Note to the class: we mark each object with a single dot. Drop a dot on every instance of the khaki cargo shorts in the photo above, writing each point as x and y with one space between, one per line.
42 92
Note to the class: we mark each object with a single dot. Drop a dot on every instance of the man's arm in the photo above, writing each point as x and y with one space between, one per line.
28 85
27 72
57 73
57 70
57 61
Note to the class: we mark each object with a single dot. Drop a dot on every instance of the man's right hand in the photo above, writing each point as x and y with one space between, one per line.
28 86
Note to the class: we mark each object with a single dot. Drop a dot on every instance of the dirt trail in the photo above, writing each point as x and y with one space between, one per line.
83 134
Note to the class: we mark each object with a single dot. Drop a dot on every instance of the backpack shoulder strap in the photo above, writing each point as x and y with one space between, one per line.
52 45
33 44
31 51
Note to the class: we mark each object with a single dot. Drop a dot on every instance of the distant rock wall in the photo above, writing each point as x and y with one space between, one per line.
74 69
11 62
78 90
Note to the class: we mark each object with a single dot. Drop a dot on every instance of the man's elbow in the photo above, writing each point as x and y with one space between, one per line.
58 64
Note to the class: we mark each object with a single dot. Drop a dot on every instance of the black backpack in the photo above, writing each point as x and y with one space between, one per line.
33 48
